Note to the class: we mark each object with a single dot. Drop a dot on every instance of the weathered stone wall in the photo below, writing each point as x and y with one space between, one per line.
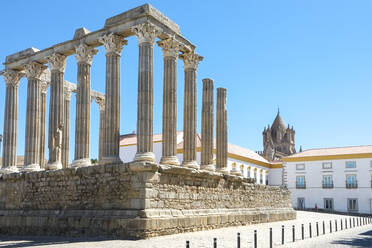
134 201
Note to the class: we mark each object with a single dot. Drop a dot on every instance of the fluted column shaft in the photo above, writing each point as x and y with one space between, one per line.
66 129
33 117
207 125
84 57
44 88
169 144
9 162
146 34
110 133
191 61
102 127
57 63
221 132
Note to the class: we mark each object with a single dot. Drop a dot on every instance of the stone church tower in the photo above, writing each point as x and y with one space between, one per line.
278 140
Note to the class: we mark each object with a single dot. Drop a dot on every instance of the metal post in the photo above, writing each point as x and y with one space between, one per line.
187 244
354 222
335 225
271 237
345 223
310 233
317 229
282 235
238 240
350 226
341 224
255 238
214 242
293 233
302 228
323 228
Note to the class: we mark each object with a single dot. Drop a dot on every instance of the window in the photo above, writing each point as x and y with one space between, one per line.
328 203
300 182
370 164
352 204
301 203
242 169
249 172
327 181
300 166
351 181
261 178
327 165
350 164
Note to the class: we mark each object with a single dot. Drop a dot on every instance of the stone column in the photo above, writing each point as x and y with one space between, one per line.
57 64
66 127
110 140
33 71
84 58
102 126
9 163
146 34
207 126
44 89
221 134
169 145
191 61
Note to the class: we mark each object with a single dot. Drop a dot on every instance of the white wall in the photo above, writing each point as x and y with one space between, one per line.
275 176
315 194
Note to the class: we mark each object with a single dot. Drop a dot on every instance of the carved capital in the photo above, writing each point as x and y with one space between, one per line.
12 78
67 92
146 32
191 60
57 62
101 103
85 53
170 47
44 86
113 43
34 70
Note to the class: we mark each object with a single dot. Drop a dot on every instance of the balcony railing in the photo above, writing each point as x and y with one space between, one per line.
301 185
327 185
351 185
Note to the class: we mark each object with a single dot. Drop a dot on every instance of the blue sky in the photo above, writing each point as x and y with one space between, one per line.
312 58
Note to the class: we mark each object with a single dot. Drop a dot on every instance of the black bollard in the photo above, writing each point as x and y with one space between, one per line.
345 223
187 244
350 226
214 242
238 240
323 228
310 232
317 229
335 225
330 226
293 233
255 238
341 224
271 237
302 230
354 222
282 235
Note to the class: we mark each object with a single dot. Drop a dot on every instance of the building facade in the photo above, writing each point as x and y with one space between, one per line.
333 179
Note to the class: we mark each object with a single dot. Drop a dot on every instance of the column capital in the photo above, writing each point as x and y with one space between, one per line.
12 77
191 60
170 47
44 86
146 32
67 92
57 62
85 53
34 70
101 103
113 43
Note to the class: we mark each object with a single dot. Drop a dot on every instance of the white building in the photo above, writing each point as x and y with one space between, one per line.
251 164
334 179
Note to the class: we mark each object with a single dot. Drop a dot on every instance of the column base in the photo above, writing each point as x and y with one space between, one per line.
223 170
81 162
111 160
145 156
54 166
172 160
9 169
208 167
31 167
191 164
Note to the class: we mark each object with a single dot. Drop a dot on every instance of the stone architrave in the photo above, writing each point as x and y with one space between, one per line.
170 49
9 163
191 61
66 127
57 64
207 126
84 58
221 132
33 71
44 89
102 126
110 140
146 34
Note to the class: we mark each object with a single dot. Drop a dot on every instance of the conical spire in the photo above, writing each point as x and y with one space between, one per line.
278 122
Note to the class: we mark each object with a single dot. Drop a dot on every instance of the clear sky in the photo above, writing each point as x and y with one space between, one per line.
313 59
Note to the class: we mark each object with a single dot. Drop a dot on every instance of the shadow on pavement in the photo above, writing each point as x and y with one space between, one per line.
29 241
364 241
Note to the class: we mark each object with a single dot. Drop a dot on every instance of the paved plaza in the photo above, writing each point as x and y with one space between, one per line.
226 237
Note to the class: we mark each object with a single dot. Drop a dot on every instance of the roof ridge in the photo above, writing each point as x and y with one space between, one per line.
336 147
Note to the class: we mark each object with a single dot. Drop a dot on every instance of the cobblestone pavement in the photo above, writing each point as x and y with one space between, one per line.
359 236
